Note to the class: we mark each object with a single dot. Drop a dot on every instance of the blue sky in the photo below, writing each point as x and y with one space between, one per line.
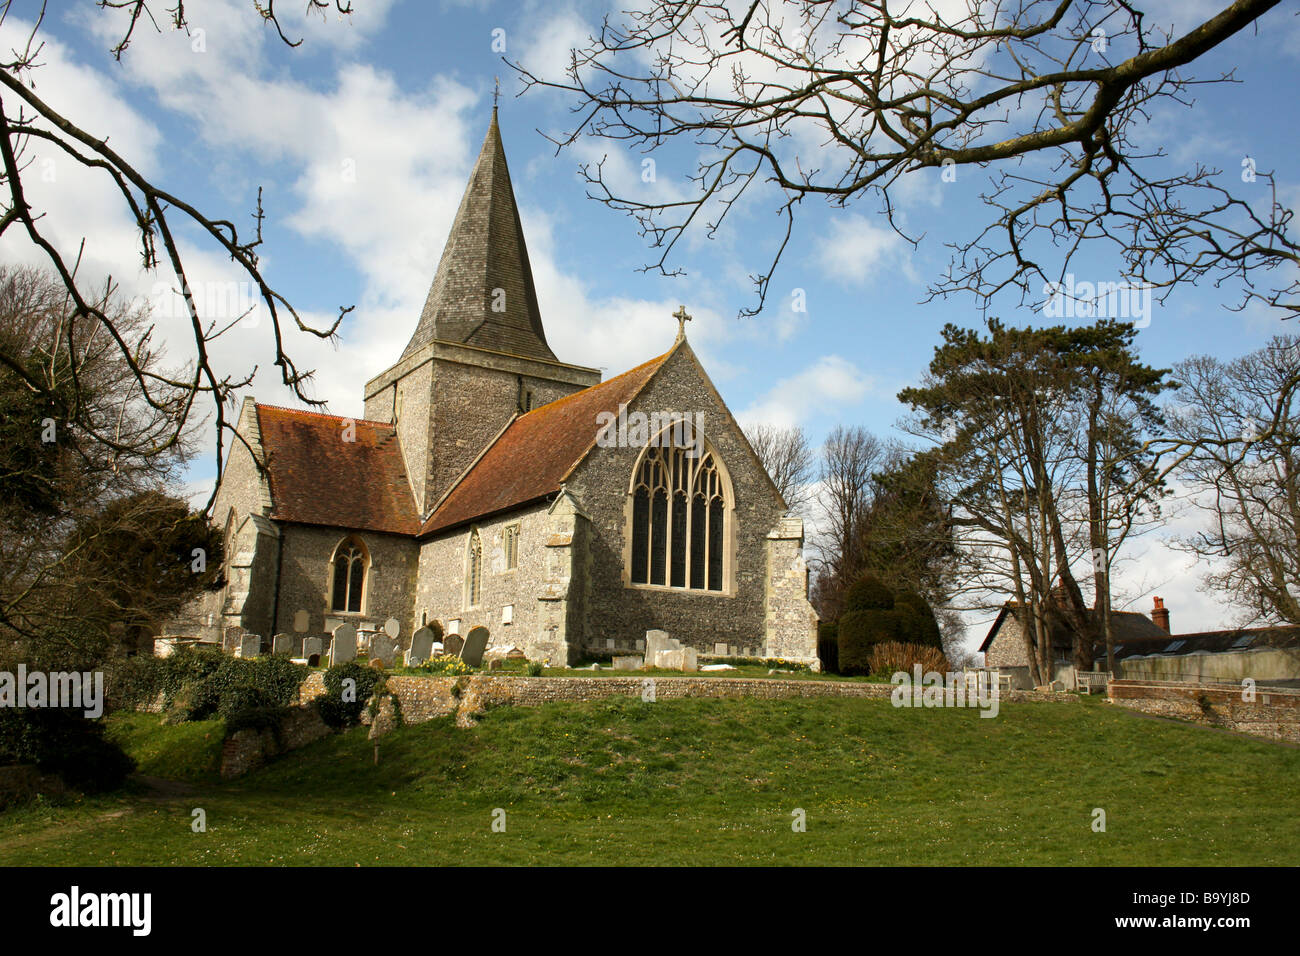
362 139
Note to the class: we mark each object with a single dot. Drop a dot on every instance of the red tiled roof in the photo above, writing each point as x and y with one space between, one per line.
318 478
537 451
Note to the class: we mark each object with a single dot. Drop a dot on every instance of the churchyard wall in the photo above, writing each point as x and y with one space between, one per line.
1274 713
424 698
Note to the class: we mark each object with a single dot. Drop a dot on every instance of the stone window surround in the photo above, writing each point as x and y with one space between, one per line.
728 526
507 532
365 578
470 600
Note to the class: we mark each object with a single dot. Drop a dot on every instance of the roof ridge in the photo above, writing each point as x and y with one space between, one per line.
340 418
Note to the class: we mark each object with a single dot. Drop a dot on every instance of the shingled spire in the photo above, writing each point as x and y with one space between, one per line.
483 292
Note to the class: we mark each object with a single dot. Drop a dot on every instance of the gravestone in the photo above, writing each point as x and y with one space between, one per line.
720 650
656 641
231 637
421 647
628 662
344 646
312 649
392 628
678 659
476 643
452 644
383 649
282 644
515 654
250 645
300 620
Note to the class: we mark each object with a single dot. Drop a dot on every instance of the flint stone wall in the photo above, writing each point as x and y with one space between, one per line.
248 749
1274 714
424 698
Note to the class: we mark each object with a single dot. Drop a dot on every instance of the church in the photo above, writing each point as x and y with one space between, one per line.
492 484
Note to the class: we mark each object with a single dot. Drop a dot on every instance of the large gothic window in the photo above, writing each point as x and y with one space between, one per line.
350 563
474 570
679 520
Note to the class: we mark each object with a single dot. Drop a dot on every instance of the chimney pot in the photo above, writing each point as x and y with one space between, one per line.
1160 615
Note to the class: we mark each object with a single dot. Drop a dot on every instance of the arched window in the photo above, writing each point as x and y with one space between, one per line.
350 563
680 512
474 570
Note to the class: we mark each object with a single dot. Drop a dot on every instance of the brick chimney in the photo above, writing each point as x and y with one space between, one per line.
1160 615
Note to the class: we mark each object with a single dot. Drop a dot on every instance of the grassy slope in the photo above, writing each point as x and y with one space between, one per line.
714 782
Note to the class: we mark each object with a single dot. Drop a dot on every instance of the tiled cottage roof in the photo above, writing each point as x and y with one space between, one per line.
483 294
1125 625
319 478
537 451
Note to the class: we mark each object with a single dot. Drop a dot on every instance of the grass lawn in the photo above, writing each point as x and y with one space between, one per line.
697 782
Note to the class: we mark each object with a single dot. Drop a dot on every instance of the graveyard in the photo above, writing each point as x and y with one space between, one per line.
686 782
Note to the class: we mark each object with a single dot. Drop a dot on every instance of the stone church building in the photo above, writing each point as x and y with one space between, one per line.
491 483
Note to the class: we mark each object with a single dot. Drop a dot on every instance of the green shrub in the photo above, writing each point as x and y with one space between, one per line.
858 632
65 742
336 711
868 593
535 668
917 623
240 698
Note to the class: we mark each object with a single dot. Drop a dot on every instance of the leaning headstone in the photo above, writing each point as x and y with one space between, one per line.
282 644
383 649
231 637
452 644
678 659
250 645
300 620
628 662
476 643
656 641
421 647
312 649
344 646
392 628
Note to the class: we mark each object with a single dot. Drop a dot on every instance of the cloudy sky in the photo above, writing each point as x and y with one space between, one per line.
362 139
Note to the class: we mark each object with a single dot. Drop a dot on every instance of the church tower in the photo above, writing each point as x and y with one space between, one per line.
479 354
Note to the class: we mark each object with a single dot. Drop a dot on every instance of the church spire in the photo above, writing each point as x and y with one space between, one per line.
483 294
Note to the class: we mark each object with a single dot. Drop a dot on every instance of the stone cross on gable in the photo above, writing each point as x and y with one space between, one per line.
682 318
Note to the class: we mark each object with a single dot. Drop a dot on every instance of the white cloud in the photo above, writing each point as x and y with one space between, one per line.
858 251
827 387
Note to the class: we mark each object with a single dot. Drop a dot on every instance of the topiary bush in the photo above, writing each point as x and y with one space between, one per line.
859 631
917 623
868 593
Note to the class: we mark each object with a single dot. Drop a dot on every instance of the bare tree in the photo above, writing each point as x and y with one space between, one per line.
840 100
1241 420
789 459
57 470
28 123
851 457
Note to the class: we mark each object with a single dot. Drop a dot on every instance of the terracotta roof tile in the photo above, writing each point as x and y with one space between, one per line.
536 452
318 478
